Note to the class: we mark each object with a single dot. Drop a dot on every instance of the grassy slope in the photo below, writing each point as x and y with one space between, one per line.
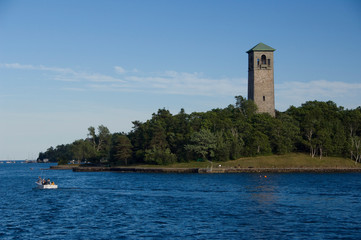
293 160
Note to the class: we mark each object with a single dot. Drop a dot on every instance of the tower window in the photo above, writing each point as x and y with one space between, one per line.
257 61
264 98
263 59
269 62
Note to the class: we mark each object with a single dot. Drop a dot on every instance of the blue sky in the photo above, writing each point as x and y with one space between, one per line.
67 65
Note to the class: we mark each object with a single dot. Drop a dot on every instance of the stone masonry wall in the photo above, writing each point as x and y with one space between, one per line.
261 82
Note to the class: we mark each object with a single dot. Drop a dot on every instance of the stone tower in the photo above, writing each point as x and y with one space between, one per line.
260 78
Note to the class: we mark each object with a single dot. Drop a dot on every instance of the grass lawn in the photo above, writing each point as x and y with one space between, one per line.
292 160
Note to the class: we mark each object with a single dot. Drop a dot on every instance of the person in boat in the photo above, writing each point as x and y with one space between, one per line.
48 181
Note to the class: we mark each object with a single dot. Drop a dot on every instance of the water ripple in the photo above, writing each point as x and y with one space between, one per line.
179 206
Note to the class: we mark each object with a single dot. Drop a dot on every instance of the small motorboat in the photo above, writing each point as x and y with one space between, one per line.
43 184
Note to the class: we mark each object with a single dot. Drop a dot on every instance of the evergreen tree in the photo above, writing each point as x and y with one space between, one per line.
123 150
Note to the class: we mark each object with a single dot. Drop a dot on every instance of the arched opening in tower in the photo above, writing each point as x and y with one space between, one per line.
263 59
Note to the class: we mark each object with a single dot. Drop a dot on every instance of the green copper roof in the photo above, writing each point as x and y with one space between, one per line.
261 47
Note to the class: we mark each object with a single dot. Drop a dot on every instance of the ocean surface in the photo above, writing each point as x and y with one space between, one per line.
104 205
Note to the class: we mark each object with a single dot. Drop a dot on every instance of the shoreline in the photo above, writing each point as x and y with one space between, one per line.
205 170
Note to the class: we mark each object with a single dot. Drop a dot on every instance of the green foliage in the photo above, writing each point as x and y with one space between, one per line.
57 154
122 150
321 128
160 156
318 128
247 107
62 162
284 133
101 143
82 150
257 143
203 144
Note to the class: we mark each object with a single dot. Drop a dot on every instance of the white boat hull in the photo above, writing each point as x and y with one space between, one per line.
46 186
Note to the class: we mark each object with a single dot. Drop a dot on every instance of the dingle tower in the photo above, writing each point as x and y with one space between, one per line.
261 78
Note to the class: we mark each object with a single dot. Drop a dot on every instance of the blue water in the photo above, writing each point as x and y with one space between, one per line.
107 205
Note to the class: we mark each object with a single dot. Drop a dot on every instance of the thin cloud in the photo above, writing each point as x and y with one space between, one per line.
296 93
73 89
64 74
119 70
167 82
35 67
172 82
95 77
183 83
17 66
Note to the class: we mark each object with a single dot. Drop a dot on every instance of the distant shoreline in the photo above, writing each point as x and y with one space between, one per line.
205 170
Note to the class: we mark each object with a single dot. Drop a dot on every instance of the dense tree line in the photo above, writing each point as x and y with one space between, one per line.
318 128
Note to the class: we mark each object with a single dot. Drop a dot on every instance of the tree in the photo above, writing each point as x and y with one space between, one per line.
139 138
123 149
61 152
356 148
323 140
101 142
223 147
236 144
257 143
352 120
179 135
321 127
82 150
92 136
203 143
247 107
159 137
284 134
103 138
160 156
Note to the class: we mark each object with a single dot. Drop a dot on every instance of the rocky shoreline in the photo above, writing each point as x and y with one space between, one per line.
206 170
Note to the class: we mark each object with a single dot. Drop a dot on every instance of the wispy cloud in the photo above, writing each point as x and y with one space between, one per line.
296 93
119 70
172 82
35 67
195 84
177 83
64 74
167 82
